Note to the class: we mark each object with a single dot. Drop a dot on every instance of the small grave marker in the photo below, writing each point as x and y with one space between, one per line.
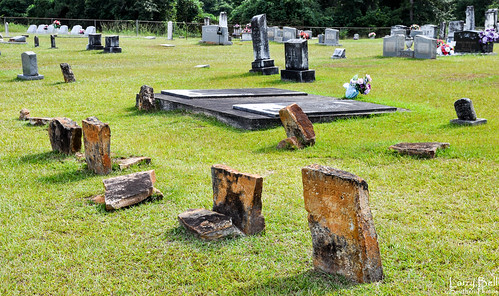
67 73
427 149
339 53
209 225
112 44
124 191
97 141
30 67
297 124
466 114
296 55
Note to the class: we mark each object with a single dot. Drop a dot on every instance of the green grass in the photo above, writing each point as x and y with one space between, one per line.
436 219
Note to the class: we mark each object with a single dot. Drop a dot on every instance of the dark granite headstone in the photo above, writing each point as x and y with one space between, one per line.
52 41
296 55
37 41
262 64
467 41
112 44
94 42
466 114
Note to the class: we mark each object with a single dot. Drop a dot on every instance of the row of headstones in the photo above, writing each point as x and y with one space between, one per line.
112 43
424 47
50 29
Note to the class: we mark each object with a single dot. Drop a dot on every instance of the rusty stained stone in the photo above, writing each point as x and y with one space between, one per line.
65 135
340 221
128 190
296 124
290 144
68 74
144 100
427 149
24 114
239 196
97 140
208 225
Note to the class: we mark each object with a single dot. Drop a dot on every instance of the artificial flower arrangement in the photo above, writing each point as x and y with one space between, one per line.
82 31
56 24
357 85
247 29
371 35
487 36
414 27
304 35
46 27
236 26
444 48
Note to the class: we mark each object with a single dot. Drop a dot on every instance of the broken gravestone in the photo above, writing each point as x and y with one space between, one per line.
296 124
65 135
239 196
208 225
144 100
67 73
39 121
339 217
128 190
291 143
125 163
24 114
97 141
428 149
466 114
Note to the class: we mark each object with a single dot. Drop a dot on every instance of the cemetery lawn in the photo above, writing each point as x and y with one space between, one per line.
437 220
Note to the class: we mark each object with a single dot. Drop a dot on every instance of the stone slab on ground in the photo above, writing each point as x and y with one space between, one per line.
39 121
128 190
425 149
208 225
478 121
230 93
125 163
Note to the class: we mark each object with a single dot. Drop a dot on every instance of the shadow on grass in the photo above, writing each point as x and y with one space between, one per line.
67 176
45 157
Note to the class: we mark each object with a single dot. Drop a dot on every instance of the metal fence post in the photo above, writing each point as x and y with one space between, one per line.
137 27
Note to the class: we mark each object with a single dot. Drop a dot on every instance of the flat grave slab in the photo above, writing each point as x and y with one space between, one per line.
262 111
230 93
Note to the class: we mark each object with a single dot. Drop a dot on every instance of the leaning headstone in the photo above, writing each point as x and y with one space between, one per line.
36 41
97 141
393 45
288 33
65 135
239 196
112 44
296 57
426 150
424 47
272 33
469 25
466 114
89 30
263 63
30 67
467 42
491 18
6 29
331 37
454 26
76 30
430 31
31 29
67 73
52 42
63 30
144 100
124 191
356 36
222 20
24 114
94 42
339 53
344 238
170 30
442 30
297 124
209 225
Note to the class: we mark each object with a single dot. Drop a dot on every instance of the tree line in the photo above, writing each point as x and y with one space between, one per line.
319 13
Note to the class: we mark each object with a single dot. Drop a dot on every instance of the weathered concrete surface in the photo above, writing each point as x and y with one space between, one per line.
65 135
128 190
97 140
239 196
296 124
425 149
208 225
340 220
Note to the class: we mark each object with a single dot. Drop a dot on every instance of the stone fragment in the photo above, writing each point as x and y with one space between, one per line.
65 135
339 217
202 66
52 41
296 124
39 121
98 199
239 196
144 100
208 225
24 114
128 190
291 143
125 163
20 39
97 140
68 74
428 149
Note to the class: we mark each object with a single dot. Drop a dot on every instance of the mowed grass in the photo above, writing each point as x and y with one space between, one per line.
436 219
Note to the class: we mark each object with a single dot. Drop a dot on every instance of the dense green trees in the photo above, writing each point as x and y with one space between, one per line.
348 13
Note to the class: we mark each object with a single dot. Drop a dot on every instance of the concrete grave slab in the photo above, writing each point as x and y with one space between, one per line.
230 93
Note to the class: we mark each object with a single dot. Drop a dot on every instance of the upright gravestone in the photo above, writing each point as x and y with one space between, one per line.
112 44
52 42
50 29
331 37
393 45
37 41
30 67
424 47
430 31
223 19
296 56
63 30
339 53
97 141
454 26
41 29
170 30
214 34
6 29
491 19
67 73
320 37
442 30
394 30
65 135
279 36
206 21
31 29
94 42
272 33
356 36
288 33
466 114
76 30
469 25
90 30
262 64
467 42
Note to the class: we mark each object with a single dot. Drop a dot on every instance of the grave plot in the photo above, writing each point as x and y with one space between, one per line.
257 108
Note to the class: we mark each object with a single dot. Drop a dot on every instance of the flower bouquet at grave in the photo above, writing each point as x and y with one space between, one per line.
371 35
304 35
81 31
357 85
414 27
487 39
247 28
56 24
444 48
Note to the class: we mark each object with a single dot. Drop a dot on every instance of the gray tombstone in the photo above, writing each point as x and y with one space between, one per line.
30 67
170 30
63 29
393 45
279 36
288 33
467 42
399 32
425 47
18 39
112 44
6 29
442 30
76 30
50 29
206 21
469 25
262 64
331 37
41 29
214 34
454 26
31 29
356 36
466 114
430 31
339 53
415 33
36 41
89 30
272 33
309 32
394 30
491 18
223 20
321 38
296 56
94 42
52 42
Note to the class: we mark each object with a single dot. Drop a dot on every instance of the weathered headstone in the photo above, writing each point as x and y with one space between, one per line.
76 30
442 30
36 41
279 36
222 19
331 37
288 33
467 42
430 31
97 141
296 57
209 225
144 100
396 30
39 121
90 30
67 73
170 30
491 18
399 32
263 63
206 21
128 190
50 29
272 33
344 238
239 196
31 29
320 37
246 36
63 30
52 42
24 114
94 42
424 47
112 44
18 39
454 26
427 150
41 29
214 34
393 45
339 53
469 25
290 143
296 124
356 36
6 29
415 33
466 114
30 67
65 135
